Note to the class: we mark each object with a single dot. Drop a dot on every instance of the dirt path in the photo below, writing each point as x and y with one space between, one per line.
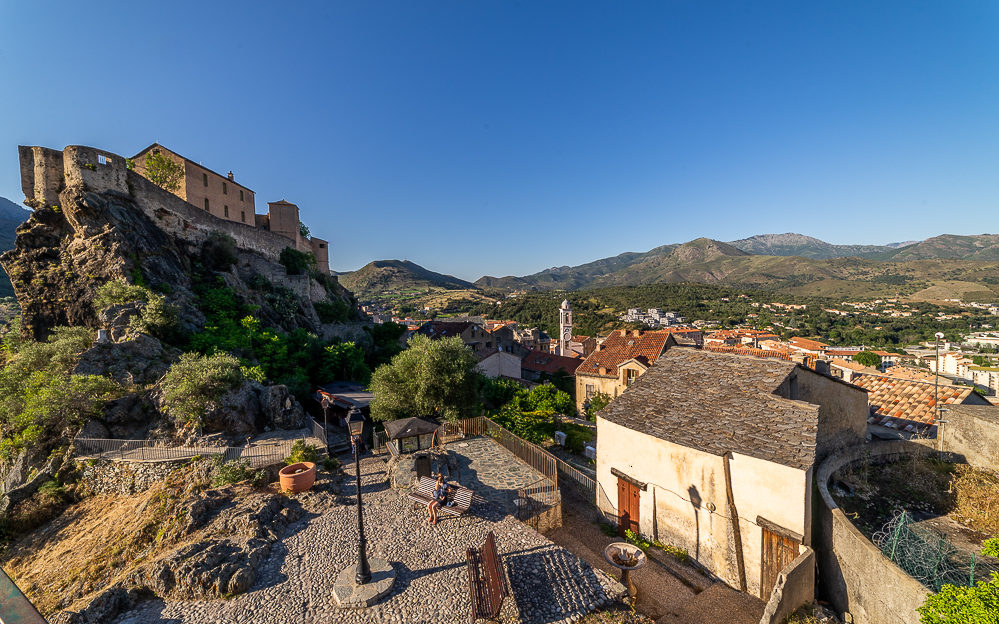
668 591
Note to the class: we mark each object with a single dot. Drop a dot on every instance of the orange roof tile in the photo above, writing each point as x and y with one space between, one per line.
623 345
805 343
906 404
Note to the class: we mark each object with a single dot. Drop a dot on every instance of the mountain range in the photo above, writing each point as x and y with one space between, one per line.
11 216
944 266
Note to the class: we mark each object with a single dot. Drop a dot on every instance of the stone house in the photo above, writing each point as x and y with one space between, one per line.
623 357
475 336
224 198
715 453
494 363
219 195
537 364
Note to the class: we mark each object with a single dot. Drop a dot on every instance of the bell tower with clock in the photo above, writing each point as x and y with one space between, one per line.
564 327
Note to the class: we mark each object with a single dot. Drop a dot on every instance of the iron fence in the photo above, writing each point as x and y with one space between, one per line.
317 430
928 557
571 476
257 454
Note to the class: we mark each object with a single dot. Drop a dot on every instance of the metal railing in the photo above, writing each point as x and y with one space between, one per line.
317 430
571 476
258 454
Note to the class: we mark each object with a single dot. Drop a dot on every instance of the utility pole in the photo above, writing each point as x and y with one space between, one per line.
936 393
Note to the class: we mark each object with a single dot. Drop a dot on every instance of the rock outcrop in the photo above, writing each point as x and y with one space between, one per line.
95 222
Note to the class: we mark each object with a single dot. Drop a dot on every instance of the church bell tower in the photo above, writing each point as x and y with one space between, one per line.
565 327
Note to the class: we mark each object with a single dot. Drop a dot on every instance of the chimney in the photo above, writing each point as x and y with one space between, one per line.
624 333
602 370
231 179
636 333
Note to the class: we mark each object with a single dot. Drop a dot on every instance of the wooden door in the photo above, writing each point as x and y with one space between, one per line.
778 551
627 507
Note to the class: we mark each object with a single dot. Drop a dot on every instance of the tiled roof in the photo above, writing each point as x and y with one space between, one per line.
906 404
541 362
717 402
805 343
442 329
918 374
780 354
621 346
854 366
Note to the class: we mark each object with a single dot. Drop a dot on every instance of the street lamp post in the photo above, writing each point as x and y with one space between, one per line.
355 422
936 391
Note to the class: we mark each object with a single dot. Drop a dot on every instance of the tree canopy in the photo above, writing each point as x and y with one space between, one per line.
435 378
164 172
868 358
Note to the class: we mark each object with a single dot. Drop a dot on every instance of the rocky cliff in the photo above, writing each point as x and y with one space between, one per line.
94 221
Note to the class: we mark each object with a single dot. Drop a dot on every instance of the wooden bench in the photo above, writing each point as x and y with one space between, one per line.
486 580
423 493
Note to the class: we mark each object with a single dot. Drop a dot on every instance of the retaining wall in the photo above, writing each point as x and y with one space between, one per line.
795 588
972 432
853 574
105 476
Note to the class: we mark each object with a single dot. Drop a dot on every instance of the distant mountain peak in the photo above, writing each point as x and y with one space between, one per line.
9 211
794 244
381 275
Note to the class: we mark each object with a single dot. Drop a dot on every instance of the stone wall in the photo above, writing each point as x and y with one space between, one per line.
972 433
105 476
853 574
45 172
795 588
843 411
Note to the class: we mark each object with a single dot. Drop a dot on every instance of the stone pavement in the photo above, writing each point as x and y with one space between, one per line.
294 585
493 473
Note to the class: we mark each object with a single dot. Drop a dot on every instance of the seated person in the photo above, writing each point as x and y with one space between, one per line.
438 498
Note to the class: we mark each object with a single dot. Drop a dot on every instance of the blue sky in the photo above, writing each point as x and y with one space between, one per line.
506 137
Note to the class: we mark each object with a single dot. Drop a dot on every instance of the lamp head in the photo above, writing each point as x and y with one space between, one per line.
940 335
355 421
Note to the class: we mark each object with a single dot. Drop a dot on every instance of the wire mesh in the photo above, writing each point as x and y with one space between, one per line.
928 557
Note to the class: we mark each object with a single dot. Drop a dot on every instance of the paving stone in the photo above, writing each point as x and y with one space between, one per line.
294 585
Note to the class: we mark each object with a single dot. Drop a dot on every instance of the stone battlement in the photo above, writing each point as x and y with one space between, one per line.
47 172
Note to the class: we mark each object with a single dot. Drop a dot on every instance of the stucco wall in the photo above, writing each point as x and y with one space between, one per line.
611 386
500 364
853 574
843 411
795 588
683 485
972 432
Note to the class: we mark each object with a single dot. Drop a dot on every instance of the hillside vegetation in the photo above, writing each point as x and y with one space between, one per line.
398 275
11 216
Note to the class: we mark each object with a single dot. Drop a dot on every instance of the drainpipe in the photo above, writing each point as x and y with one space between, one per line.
736 531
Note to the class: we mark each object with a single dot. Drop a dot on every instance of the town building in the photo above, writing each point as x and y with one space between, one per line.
219 195
716 452
907 405
653 317
623 357
224 198
810 347
538 364
473 335
495 363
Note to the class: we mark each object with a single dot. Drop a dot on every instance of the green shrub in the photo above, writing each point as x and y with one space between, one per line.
235 471
597 403
119 292
963 605
302 452
296 262
332 311
218 252
990 547
608 529
158 318
331 464
196 382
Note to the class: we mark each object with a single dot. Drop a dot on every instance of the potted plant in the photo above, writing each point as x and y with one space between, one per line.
300 473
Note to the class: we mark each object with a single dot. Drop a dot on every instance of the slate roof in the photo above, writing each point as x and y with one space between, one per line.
442 329
621 346
717 402
407 427
541 362
906 404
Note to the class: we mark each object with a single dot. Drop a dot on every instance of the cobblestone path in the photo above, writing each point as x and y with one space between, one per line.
548 583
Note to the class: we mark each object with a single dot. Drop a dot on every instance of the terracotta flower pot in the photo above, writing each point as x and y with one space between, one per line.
297 477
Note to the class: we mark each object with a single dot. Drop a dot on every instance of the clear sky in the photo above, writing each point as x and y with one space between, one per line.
480 137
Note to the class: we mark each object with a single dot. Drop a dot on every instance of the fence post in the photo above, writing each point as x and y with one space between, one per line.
972 577
894 539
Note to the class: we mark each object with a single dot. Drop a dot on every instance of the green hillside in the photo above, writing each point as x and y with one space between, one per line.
11 216
380 276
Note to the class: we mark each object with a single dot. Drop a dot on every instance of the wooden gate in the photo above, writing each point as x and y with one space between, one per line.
627 506
779 549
